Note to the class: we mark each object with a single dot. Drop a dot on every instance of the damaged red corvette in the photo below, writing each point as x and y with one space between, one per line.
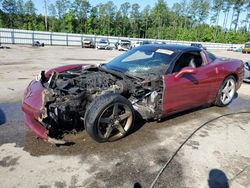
149 82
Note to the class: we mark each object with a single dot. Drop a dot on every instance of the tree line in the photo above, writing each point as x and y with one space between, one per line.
190 20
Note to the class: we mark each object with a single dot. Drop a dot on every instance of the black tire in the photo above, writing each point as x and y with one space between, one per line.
219 98
102 124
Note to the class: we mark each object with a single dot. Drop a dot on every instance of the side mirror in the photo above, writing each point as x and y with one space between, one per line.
186 70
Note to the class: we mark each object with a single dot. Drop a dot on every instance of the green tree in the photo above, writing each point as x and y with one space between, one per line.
62 7
92 21
53 22
248 16
145 16
68 23
216 8
124 9
30 15
118 23
10 8
106 17
135 20
159 17
186 20
81 9
238 6
226 9
20 13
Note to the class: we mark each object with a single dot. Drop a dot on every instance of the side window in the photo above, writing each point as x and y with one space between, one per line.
189 59
211 56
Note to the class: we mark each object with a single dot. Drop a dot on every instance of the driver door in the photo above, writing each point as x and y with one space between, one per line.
191 89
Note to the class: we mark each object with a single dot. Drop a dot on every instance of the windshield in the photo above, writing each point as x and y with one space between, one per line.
103 41
142 61
247 45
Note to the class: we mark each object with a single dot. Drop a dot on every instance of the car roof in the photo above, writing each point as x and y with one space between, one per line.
173 47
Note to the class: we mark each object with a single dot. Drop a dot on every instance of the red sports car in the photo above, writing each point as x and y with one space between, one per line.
150 82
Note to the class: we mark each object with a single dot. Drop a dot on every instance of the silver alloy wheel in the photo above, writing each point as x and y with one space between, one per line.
115 121
228 91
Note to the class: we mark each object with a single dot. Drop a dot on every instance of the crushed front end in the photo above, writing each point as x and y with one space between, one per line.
65 97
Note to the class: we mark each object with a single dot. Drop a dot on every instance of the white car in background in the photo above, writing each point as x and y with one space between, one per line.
139 43
104 44
124 45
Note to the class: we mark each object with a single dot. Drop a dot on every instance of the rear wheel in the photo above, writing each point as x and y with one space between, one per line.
226 92
109 118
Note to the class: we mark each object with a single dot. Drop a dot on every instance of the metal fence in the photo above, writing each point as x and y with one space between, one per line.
27 37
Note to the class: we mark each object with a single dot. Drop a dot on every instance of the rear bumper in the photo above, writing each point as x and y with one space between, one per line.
102 47
87 45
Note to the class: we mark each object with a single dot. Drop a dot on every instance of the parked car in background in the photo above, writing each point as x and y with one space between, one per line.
247 72
139 43
103 44
239 49
158 42
88 43
124 45
235 49
198 45
231 48
246 48
38 44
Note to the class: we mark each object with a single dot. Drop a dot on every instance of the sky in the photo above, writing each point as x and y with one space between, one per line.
40 6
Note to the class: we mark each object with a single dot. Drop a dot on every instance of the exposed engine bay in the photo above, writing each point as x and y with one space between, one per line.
67 95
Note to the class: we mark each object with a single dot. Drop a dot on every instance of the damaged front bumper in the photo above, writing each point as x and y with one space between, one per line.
31 106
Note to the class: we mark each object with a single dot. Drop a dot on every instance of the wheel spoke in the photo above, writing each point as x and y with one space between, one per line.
228 95
225 89
108 132
115 110
224 97
124 116
120 128
231 87
105 120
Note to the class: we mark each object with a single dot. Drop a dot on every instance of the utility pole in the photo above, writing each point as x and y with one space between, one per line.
46 16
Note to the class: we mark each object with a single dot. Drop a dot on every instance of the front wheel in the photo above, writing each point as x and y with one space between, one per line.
226 92
109 118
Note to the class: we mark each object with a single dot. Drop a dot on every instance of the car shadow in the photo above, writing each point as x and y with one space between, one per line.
217 179
2 117
141 122
138 123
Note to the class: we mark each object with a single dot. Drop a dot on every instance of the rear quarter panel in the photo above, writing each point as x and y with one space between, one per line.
227 67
